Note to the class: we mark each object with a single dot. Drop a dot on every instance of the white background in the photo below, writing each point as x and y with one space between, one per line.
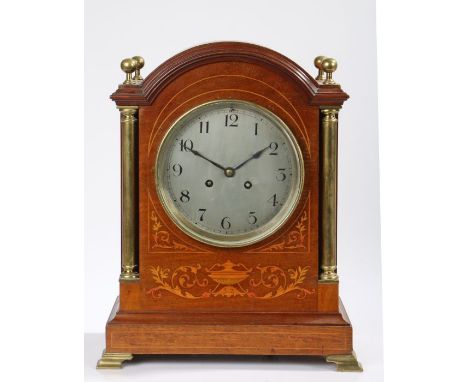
298 29
422 77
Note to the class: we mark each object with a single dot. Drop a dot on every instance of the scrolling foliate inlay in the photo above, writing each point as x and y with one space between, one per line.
229 280
160 238
296 239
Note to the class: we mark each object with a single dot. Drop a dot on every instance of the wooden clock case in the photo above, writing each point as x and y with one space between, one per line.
180 296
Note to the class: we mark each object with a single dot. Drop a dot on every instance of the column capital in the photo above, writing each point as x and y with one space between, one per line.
330 110
128 109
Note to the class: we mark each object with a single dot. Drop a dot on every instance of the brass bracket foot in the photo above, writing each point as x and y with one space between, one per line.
113 360
345 362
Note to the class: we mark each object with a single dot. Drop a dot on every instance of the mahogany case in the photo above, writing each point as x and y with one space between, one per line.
193 298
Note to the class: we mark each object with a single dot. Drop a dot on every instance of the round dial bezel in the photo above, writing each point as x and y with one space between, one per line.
212 238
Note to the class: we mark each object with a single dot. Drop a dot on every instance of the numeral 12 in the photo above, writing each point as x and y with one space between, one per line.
231 120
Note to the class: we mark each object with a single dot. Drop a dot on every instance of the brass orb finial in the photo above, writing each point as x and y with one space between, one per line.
318 64
128 65
329 65
140 63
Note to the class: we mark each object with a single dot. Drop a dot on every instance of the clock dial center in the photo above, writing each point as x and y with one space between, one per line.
229 172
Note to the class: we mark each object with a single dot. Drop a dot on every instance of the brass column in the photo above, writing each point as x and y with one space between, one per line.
328 192
129 189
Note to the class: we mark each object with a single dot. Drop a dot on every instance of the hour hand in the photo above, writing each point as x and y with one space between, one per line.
257 155
199 154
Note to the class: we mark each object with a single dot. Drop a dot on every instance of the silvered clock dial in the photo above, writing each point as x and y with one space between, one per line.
229 173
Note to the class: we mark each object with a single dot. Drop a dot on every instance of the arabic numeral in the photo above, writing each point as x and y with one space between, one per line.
206 125
231 120
273 200
252 218
186 145
184 196
225 223
202 210
273 147
177 168
281 177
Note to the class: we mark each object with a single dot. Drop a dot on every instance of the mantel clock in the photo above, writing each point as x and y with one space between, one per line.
229 191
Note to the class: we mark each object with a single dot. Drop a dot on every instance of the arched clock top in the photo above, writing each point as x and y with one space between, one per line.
142 92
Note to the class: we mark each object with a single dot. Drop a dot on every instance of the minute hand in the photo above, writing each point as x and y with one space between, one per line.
198 154
257 155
